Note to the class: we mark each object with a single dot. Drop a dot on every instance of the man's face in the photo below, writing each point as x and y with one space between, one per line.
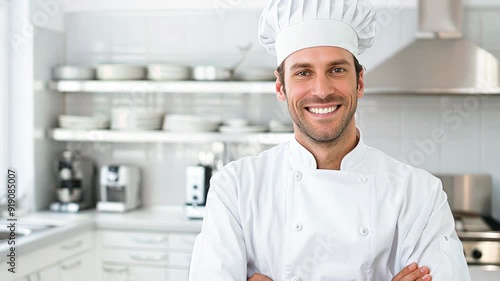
321 92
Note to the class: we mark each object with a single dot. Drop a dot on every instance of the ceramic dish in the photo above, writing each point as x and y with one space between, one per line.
242 130
120 72
168 72
83 122
212 73
190 123
71 72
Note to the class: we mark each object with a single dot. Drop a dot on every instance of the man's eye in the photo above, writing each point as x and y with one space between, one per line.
303 73
338 70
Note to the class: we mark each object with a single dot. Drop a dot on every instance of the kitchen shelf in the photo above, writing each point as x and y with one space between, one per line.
146 86
166 137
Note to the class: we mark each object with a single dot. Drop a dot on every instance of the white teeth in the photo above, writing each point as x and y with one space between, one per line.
322 110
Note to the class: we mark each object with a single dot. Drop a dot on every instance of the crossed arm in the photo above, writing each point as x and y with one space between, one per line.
410 273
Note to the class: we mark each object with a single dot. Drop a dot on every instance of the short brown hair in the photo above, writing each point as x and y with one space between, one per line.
281 71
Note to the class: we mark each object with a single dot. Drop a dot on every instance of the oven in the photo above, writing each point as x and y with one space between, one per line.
469 196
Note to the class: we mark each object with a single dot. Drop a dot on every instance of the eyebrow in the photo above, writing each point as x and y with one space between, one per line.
307 65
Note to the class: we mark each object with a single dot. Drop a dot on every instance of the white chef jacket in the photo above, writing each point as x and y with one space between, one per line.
277 214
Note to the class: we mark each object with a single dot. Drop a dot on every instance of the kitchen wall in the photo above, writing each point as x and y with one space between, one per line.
399 125
4 86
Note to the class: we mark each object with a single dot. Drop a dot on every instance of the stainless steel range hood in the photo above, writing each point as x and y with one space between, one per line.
441 61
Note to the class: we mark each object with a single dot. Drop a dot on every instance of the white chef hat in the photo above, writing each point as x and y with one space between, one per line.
287 26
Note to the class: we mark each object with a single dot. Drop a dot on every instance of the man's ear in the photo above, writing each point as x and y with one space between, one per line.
361 84
280 90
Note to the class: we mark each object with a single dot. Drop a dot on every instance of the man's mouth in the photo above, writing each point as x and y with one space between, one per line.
322 110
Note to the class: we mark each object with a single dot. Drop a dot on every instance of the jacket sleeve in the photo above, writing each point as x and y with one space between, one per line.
432 240
219 252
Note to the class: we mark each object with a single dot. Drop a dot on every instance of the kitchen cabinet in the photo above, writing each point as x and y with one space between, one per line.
133 273
79 268
70 259
145 255
49 274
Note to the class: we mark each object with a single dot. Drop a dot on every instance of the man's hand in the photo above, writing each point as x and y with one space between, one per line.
259 277
413 273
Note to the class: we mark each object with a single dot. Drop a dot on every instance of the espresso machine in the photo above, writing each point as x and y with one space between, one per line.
120 188
76 183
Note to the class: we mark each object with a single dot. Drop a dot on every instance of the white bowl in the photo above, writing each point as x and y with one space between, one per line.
120 72
210 72
135 119
66 195
236 122
255 74
168 72
71 72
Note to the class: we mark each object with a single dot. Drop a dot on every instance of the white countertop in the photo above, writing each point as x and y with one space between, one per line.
161 218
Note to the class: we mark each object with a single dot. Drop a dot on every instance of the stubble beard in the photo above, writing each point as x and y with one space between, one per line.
329 135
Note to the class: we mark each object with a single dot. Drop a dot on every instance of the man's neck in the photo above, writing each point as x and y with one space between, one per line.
329 156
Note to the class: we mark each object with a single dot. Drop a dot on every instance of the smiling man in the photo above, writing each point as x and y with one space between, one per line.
324 206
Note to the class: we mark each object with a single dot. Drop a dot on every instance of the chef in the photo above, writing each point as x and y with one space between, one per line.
324 206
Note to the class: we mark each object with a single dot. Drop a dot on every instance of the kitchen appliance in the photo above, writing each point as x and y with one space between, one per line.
468 193
76 185
440 61
469 196
197 184
120 188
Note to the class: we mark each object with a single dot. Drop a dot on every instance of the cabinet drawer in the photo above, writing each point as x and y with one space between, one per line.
149 258
177 274
181 241
179 259
72 246
139 240
133 273
135 257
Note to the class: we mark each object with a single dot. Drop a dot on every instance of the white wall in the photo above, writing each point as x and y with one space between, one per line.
395 124
221 5
4 89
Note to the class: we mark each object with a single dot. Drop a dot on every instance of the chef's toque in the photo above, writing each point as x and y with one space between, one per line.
287 26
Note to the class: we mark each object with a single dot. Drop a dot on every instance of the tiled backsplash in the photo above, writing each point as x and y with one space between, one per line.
402 126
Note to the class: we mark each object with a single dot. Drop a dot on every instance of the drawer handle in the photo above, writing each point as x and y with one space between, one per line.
72 246
115 270
71 266
143 240
147 258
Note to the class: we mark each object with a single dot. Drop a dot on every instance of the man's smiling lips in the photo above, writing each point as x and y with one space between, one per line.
323 110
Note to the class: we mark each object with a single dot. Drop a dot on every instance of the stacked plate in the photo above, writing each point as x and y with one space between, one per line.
211 73
120 72
135 119
240 126
83 122
168 72
255 74
189 123
71 72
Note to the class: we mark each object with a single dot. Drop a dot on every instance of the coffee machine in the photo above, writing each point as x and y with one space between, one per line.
197 184
76 183
120 188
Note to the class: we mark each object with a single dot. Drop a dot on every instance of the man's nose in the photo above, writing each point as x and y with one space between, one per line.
323 86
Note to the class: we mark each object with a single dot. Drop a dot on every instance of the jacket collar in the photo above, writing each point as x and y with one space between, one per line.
302 157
